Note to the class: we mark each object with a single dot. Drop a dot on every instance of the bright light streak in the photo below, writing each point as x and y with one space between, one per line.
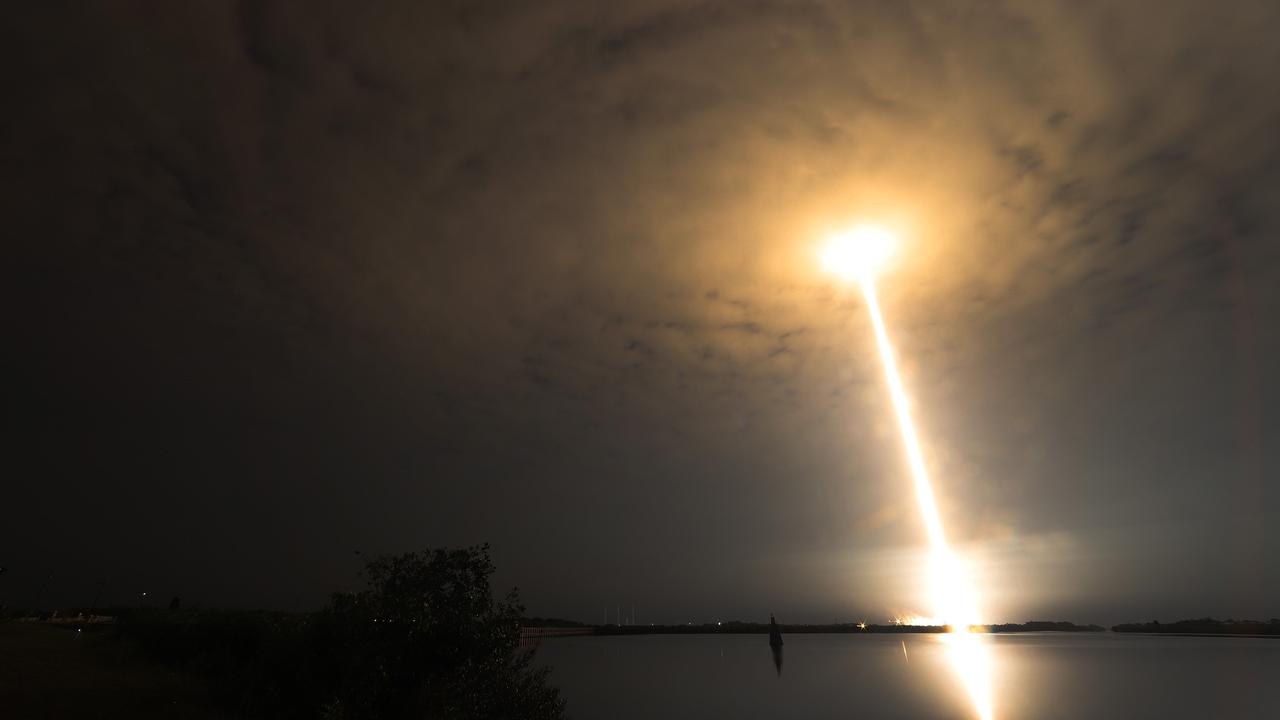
954 601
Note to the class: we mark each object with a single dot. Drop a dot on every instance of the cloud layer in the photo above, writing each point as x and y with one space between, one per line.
296 281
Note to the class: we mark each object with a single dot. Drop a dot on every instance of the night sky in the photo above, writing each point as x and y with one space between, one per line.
287 281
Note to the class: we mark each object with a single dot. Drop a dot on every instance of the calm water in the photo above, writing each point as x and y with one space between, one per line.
1094 675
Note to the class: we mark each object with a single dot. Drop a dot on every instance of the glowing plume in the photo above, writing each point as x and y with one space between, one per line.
955 603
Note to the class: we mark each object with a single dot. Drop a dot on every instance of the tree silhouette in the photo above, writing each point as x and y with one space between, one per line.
427 637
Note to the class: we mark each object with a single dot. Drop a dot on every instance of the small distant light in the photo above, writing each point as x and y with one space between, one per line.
718 624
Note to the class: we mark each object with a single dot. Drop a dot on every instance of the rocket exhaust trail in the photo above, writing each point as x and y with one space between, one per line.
953 597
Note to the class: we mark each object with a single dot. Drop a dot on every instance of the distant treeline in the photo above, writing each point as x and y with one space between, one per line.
747 628
1205 626
1044 626
551 622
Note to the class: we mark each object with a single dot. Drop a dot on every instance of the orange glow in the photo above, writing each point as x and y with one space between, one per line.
955 603
917 621
858 255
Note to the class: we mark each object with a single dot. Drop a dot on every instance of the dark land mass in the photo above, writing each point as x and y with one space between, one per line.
1205 626
53 671
426 637
1043 626
552 623
747 628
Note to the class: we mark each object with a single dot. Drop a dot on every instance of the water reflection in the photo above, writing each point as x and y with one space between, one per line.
835 677
970 656
775 643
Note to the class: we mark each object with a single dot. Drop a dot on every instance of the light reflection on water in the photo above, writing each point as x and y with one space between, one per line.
970 655
1086 675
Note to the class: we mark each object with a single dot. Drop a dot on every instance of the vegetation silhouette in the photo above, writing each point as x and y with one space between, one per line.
425 638
1205 626
1042 626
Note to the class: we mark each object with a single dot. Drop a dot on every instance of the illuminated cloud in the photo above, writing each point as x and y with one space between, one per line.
562 254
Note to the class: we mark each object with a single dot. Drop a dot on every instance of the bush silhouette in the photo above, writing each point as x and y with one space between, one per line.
427 637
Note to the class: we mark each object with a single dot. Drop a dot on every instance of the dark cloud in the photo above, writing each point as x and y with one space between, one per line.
291 280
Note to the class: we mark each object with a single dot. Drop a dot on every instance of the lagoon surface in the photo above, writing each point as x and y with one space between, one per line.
1037 675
